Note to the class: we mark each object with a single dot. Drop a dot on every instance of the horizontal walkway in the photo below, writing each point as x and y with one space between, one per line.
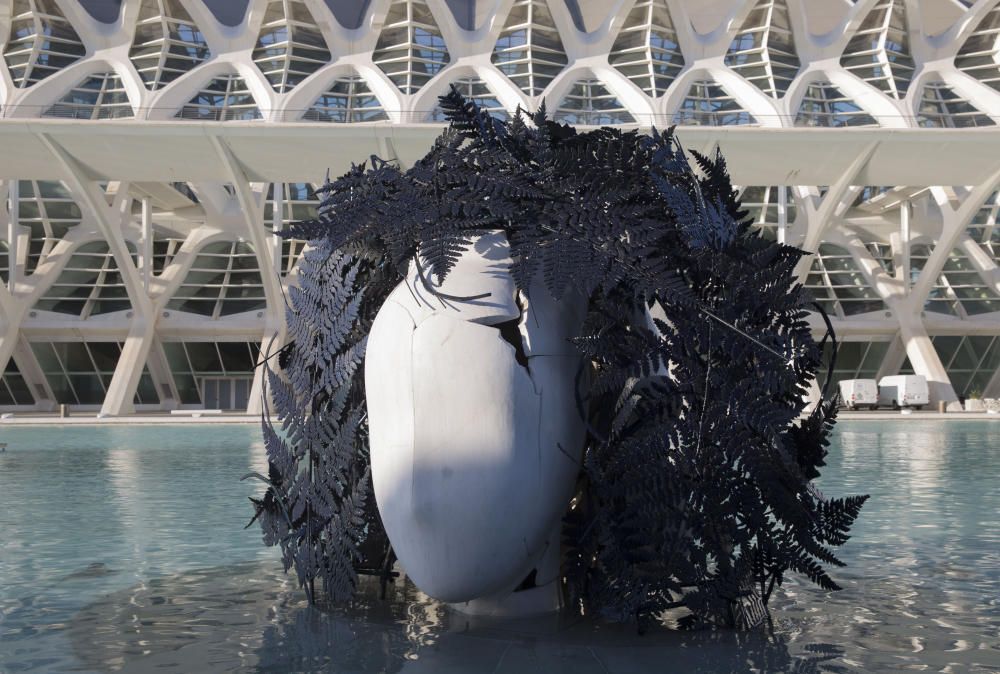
166 151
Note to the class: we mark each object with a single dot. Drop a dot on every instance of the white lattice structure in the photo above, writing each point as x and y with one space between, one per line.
152 147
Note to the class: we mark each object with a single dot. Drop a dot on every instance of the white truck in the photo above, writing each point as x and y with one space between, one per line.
903 390
855 393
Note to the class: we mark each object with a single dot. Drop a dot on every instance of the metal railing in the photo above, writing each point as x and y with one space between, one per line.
367 116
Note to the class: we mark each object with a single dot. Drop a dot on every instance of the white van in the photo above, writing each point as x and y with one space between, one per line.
855 393
903 390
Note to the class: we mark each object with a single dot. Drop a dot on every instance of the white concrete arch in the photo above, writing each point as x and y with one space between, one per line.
750 98
293 105
832 43
405 111
347 41
921 49
34 100
599 40
889 113
687 37
178 93
509 95
572 43
426 99
221 39
468 43
715 41
557 89
35 285
982 97
392 98
888 288
174 275
263 94
94 34
323 20
948 43
955 220
800 34
792 100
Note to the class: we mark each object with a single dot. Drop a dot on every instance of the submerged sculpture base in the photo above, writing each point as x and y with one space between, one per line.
533 601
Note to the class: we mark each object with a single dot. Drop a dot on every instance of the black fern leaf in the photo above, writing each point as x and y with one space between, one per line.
697 490
316 507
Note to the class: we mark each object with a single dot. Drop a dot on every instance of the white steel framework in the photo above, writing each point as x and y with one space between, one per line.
149 162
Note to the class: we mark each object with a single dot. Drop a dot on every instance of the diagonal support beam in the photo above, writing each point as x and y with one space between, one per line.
831 206
108 221
274 330
952 229
12 310
253 219
121 392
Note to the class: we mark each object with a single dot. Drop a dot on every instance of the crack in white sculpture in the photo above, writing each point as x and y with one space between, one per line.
474 455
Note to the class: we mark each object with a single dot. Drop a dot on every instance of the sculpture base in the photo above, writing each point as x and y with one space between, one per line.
534 601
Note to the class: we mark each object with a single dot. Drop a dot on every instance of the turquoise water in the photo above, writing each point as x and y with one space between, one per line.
123 549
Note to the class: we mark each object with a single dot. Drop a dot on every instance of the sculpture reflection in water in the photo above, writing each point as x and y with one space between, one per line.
249 618
569 370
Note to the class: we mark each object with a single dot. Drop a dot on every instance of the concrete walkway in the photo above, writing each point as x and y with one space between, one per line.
91 419
890 415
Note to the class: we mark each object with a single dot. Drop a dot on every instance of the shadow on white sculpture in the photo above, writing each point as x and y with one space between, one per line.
476 438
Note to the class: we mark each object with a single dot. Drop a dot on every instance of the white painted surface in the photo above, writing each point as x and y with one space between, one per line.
474 456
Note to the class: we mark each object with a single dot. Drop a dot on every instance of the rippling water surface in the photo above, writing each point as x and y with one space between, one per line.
122 549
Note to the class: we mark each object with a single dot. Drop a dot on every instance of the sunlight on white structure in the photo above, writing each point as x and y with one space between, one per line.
48 210
709 104
349 100
973 294
646 49
972 361
165 248
475 89
983 228
879 52
589 102
223 280
223 99
90 284
41 41
837 283
763 50
410 49
941 107
299 202
167 43
762 203
529 50
290 46
882 253
825 105
100 96
940 299
978 57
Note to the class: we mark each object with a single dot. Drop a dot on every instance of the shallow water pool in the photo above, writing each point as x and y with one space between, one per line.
123 550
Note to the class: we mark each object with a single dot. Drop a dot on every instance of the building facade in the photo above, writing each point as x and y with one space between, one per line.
152 148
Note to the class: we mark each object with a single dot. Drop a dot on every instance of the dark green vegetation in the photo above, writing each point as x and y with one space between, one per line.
696 486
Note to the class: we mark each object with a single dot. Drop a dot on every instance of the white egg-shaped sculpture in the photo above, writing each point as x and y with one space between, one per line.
476 438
